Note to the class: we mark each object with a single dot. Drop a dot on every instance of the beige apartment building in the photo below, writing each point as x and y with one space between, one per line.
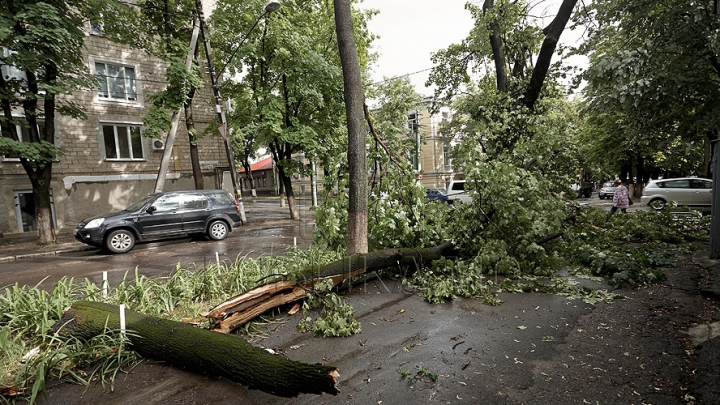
107 162
432 155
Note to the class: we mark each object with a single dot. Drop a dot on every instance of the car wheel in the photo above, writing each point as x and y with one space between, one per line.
658 204
600 196
120 241
218 230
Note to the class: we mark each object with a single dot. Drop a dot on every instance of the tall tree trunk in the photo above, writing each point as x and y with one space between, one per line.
497 49
552 36
43 205
358 205
286 182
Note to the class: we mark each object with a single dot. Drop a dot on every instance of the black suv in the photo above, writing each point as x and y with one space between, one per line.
197 213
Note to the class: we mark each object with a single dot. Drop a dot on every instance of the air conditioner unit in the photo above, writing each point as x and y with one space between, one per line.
158 144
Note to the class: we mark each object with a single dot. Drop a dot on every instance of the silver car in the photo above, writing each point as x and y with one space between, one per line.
690 191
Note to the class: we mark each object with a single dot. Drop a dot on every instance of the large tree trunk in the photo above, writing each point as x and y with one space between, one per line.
178 344
497 49
354 99
547 50
43 205
238 310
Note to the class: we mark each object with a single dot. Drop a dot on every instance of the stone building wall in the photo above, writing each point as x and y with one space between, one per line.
85 182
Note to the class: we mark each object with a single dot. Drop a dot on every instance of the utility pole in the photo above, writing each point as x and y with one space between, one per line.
175 119
219 109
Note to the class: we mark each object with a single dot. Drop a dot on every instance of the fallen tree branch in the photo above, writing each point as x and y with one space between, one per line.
200 350
242 308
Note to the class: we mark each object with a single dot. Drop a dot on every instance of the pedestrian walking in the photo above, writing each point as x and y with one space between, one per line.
621 198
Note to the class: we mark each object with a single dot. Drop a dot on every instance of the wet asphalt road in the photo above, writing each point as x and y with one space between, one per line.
160 258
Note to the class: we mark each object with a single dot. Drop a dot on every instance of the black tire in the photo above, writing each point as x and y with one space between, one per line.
120 241
602 197
218 230
658 204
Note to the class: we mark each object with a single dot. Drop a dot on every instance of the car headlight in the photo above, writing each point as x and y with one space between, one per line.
95 223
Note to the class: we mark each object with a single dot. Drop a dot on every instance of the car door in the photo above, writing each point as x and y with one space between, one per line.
162 217
677 190
195 212
701 192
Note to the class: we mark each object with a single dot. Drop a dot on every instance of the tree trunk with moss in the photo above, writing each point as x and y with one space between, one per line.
240 309
176 343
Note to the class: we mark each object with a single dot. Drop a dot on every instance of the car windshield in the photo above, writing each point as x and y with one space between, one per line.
141 203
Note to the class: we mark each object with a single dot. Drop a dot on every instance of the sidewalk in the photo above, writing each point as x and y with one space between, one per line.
259 212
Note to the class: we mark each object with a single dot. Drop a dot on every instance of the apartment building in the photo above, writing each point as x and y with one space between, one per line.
107 162
431 157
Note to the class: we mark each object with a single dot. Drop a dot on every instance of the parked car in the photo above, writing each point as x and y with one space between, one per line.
456 192
197 213
607 190
690 191
434 194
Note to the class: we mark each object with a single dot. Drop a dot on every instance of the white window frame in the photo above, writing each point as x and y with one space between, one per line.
117 135
128 99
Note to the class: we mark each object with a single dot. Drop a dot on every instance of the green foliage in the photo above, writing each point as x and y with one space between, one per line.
651 83
448 279
422 371
632 249
289 98
337 318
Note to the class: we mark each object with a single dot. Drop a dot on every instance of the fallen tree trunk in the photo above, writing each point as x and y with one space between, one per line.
201 350
240 309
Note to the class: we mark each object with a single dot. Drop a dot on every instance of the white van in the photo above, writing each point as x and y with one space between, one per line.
456 192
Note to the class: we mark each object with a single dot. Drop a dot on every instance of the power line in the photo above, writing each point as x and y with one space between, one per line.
399 76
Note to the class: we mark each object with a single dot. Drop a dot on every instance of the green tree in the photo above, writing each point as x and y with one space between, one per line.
42 63
652 84
516 136
289 92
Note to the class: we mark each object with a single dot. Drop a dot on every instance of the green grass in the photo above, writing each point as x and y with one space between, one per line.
30 353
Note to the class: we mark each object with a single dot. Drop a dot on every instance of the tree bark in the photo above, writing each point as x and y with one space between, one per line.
354 99
497 49
176 343
532 92
240 309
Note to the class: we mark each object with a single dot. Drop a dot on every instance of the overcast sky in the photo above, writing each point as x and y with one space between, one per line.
411 30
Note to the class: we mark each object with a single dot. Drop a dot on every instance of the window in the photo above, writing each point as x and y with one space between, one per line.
116 82
167 203
699 183
122 142
195 201
24 135
674 184
413 122
447 155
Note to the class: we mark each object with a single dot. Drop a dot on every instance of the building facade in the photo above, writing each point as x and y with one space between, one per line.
432 155
107 162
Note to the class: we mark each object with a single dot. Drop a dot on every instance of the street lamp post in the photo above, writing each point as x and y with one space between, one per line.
270 6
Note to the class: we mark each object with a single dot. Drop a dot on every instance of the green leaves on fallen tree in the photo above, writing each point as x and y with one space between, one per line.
337 317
